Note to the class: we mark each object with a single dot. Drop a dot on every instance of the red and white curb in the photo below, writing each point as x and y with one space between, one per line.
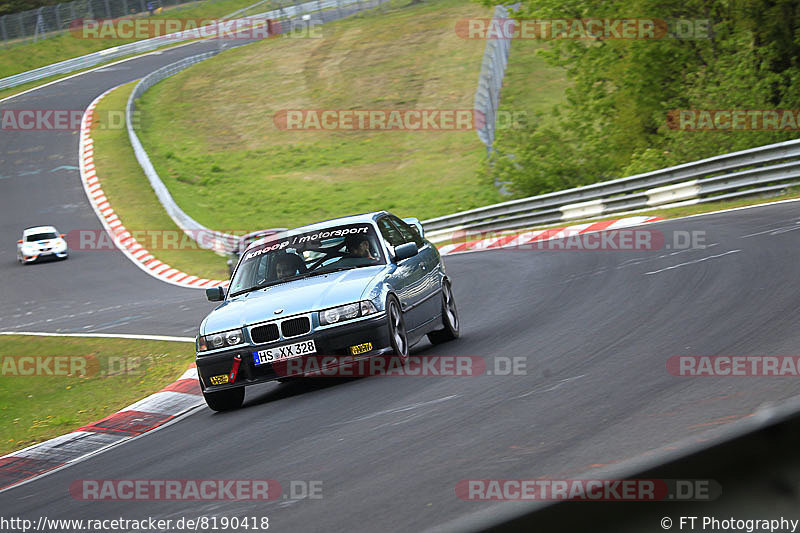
113 225
527 237
136 419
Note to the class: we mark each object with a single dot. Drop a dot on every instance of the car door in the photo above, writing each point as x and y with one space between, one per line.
407 276
429 305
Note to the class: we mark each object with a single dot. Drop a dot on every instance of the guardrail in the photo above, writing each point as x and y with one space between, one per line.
757 171
205 237
146 45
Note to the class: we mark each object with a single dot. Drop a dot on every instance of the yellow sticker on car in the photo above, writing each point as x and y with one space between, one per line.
219 380
361 348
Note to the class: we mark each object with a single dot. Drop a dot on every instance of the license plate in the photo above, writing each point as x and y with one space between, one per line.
287 351
219 380
360 348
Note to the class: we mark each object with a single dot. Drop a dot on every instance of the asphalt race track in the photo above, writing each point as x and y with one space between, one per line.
595 328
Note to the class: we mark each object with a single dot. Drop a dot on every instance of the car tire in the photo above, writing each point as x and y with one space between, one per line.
225 400
450 320
398 337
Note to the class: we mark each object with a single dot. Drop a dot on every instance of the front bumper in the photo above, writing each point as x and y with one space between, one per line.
50 254
335 341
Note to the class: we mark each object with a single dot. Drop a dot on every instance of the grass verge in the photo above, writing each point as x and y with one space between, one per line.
67 45
133 199
40 407
235 169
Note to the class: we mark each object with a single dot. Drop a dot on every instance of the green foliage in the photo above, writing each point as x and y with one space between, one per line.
15 6
614 121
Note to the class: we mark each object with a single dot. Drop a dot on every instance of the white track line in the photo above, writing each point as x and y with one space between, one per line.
102 336
692 262
730 209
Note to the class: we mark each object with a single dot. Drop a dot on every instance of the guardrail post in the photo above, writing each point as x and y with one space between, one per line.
282 12
38 26
3 31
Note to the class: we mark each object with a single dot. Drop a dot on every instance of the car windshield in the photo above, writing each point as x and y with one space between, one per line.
33 237
287 257
250 238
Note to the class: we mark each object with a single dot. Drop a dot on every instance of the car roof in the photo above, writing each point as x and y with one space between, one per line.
351 219
38 229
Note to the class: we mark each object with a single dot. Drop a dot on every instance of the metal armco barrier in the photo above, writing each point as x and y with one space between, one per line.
763 170
206 238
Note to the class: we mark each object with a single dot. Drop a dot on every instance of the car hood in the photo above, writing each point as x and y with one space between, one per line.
299 296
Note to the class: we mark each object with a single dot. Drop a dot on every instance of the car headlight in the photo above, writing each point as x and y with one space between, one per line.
346 312
220 340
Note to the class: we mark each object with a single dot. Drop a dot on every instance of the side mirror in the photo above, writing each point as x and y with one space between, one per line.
215 294
404 251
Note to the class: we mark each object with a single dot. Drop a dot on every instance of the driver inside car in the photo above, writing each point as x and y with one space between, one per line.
359 251
288 265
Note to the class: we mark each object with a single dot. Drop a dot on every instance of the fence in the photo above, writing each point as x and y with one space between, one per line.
493 70
46 21
757 171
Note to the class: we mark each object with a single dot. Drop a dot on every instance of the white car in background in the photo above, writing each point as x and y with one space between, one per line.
41 242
